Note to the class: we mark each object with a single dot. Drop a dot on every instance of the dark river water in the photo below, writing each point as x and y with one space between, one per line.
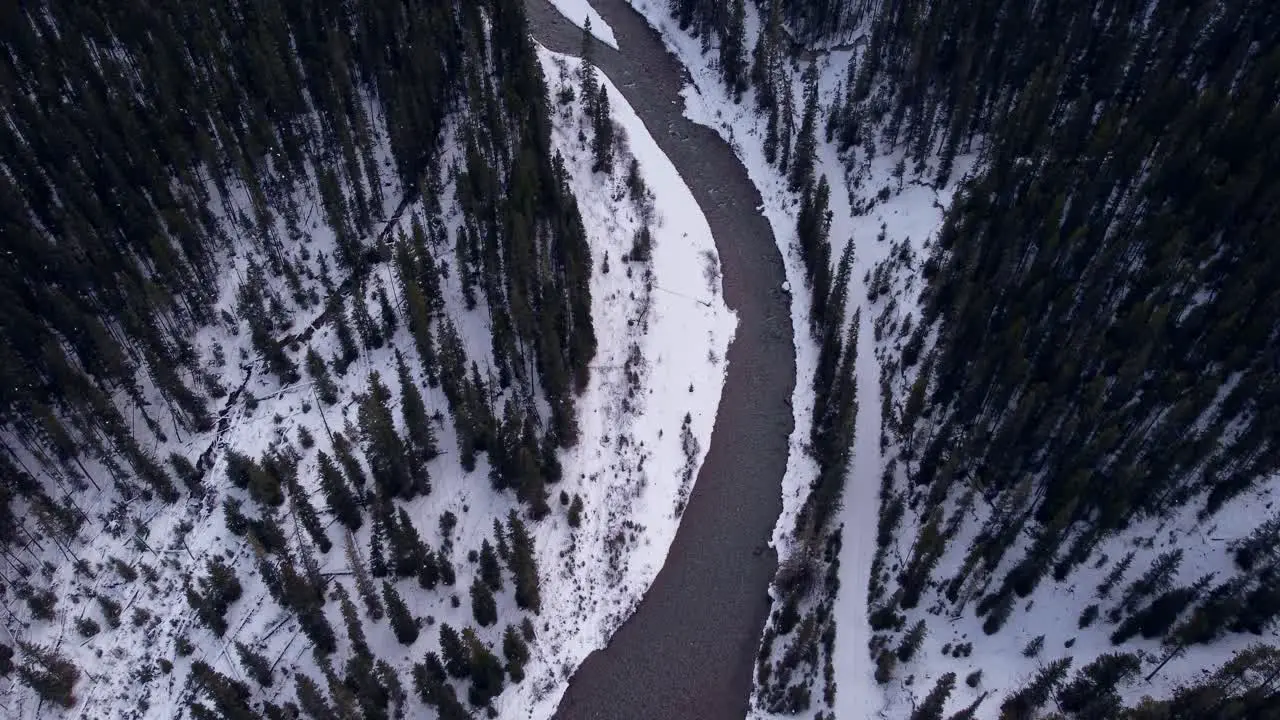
688 650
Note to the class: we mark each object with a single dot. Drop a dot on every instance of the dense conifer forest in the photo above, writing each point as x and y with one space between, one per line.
329 166
1096 343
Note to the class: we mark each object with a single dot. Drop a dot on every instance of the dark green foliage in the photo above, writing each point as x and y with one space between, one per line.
456 655
230 698
516 652
1023 704
255 665
487 677
342 501
1088 615
523 565
394 471
212 595
312 700
402 622
51 675
87 627
325 388
1093 692
42 603
417 423
911 641
935 702
575 511
483 606
490 569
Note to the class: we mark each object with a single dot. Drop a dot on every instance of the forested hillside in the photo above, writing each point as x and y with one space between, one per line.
1077 367
298 323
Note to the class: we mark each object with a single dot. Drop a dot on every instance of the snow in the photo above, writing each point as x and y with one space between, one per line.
630 466
902 216
913 212
632 462
577 11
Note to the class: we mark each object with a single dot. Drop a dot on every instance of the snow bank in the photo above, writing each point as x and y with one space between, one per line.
578 11
629 462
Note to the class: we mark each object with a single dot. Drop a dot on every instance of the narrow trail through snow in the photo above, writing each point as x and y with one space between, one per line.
688 650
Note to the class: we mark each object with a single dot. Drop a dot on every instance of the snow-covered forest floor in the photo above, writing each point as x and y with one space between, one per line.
661 325
892 217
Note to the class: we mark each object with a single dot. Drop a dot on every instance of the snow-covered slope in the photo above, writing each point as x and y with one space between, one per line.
632 467
579 12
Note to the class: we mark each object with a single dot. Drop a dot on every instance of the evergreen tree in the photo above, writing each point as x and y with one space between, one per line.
523 565
483 606
325 388
486 671
733 50
801 174
490 569
311 700
402 622
388 459
417 423
516 652
457 655
935 702
342 501
1024 703
51 675
257 666
602 140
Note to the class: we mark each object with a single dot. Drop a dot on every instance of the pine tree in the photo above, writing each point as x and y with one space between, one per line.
347 459
490 569
364 585
301 505
483 606
602 140
523 565
257 666
1092 693
456 655
935 702
486 671
230 697
417 422
351 619
51 675
325 388
516 652
402 622
1023 704
911 642
586 70
311 699
342 501
733 50
806 142
388 459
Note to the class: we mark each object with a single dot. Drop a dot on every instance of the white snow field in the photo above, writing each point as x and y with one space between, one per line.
577 11
628 466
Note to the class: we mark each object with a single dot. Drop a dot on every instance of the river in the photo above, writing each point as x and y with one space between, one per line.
689 649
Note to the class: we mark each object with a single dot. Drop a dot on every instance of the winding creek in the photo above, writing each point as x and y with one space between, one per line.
688 650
